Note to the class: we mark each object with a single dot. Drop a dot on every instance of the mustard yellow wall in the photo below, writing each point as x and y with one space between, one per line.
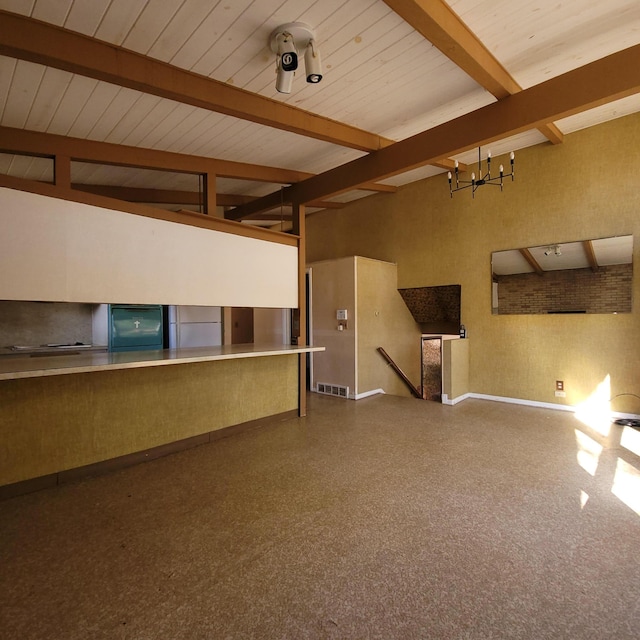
56 423
377 317
586 187
455 368
384 321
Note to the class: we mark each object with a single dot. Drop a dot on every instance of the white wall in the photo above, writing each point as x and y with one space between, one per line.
56 250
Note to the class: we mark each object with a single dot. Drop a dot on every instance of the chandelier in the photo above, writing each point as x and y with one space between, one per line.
486 179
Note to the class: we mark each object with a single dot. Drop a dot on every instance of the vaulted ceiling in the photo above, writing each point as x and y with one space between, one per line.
146 95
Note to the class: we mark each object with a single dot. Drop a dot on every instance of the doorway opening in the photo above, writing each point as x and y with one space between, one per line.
431 369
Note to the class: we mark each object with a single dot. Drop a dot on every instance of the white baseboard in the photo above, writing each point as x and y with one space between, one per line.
482 396
454 401
533 403
528 403
366 394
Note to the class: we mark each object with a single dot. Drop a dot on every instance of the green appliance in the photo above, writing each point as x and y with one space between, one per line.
135 327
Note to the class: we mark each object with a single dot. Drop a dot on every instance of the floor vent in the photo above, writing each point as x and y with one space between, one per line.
332 389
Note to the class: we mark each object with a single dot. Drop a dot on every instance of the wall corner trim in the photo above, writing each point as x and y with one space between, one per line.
453 401
366 394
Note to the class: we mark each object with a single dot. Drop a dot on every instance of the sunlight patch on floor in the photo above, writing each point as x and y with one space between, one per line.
630 440
584 498
626 485
588 452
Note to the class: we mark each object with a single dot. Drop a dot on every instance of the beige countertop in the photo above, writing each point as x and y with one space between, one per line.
24 366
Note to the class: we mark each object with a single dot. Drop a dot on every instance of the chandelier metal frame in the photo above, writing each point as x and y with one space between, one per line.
486 179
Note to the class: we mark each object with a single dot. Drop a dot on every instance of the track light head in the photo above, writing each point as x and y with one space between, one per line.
287 53
312 64
284 80
286 60
286 42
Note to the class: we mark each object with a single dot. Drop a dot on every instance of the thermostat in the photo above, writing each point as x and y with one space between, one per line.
341 314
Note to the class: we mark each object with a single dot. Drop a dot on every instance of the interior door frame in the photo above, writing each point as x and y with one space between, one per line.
308 290
423 339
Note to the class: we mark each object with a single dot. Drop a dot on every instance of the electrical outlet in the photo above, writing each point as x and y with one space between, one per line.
559 385
561 394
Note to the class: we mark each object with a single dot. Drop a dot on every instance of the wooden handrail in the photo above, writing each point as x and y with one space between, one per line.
414 391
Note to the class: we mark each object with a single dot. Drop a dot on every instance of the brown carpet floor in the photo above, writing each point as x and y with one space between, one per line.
383 518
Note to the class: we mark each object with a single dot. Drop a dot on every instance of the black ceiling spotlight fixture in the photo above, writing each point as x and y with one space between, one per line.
486 179
286 42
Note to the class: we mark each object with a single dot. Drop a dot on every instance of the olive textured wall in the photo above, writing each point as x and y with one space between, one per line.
583 188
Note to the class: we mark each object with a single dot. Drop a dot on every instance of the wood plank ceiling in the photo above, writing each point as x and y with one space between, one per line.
151 82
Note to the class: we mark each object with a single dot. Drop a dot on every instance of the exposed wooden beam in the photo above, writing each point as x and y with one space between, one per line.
254 209
62 171
449 164
190 218
377 186
232 199
28 39
436 22
533 263
611 78
591 255
326 204
285 212
208 194
551 132
176 196
299 229
441 26
48 144
272 217
260 205
138 194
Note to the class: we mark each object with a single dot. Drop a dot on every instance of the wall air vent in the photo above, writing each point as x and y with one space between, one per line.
332 389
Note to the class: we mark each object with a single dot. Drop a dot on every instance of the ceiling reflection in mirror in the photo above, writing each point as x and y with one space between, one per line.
585 276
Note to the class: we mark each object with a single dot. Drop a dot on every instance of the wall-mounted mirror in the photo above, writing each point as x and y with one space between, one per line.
586 276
